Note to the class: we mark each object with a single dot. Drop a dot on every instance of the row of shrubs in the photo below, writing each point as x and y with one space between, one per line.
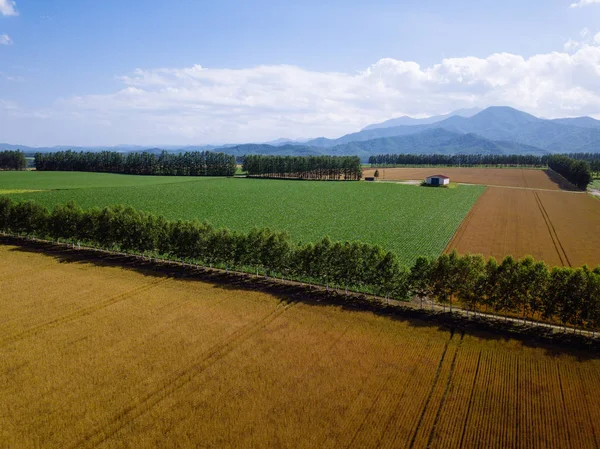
524 287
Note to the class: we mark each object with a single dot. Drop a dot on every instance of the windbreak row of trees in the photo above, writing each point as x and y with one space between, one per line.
12 160
466 160
592 158
304 167
195 163
525 288
576 171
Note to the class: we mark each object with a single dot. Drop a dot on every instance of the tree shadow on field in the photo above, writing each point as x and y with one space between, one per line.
561 182
554 343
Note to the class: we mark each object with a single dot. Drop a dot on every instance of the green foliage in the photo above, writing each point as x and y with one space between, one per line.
195 163
12 160
569 295
337 168
575 171
404 219
460 160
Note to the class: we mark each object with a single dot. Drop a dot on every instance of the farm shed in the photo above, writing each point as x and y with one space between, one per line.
437 180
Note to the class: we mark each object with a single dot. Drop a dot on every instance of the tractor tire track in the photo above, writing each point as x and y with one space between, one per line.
560 250
446 390
431 391
80 313
180 379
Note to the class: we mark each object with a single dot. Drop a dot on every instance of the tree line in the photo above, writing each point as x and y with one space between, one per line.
525 288
576 171
304 167
12 160
463 160
592 158
195 163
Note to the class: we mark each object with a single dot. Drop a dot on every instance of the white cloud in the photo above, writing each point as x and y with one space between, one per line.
8 8
581 3
5 39
597 39
572 45
211 105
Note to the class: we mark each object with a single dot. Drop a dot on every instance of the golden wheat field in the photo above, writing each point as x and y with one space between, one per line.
102 356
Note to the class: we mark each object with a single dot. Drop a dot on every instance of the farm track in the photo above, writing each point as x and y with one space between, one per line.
180 379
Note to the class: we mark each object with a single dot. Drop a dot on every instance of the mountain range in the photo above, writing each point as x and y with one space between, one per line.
495 130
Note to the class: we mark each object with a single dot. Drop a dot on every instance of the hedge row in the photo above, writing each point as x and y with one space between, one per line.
462 160
524 287
194 163
346 168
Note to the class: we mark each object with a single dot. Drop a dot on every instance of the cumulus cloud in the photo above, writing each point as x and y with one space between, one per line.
581 3
217 105
5 39
8 8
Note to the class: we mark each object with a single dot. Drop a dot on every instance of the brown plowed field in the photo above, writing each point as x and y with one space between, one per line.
562 229
100 356
533 179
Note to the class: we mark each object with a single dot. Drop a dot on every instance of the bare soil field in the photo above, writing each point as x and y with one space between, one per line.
528 178
559 228
102 356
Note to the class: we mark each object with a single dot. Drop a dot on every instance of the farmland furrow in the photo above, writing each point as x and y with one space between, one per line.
180 379
431 393
446 390
372 406
81 312
471 397
390 418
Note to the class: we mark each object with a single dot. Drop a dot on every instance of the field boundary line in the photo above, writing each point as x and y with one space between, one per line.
462 228
180 379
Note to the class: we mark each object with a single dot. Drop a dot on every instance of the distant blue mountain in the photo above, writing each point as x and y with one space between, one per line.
495 130
498 124
409 121
582 122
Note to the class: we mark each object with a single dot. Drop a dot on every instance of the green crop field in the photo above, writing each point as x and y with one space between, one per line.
408 220
53 180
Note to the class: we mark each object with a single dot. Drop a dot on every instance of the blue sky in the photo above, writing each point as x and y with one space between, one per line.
194 72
